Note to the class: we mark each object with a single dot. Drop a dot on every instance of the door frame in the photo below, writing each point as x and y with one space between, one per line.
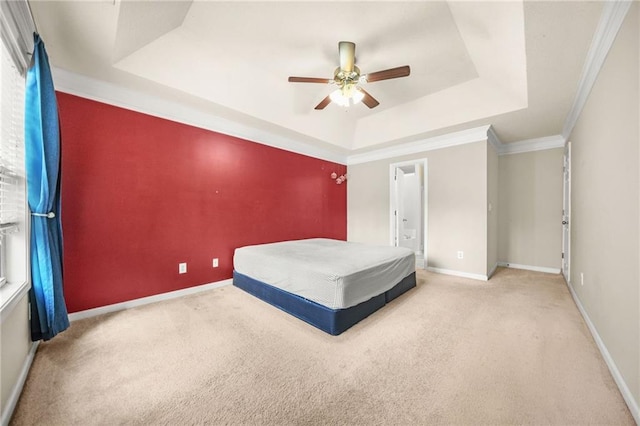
393 200
566 213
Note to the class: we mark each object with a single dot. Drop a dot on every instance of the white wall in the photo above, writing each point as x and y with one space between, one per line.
605 204
457 205
530 208
524 191
15 343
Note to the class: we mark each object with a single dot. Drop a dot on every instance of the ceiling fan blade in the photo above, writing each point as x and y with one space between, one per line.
347 51
388 74
368 100
326 101
309 80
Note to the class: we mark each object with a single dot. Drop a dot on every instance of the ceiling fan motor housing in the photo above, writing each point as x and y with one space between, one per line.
346 78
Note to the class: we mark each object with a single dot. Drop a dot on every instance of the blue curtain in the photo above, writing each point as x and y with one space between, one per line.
42 157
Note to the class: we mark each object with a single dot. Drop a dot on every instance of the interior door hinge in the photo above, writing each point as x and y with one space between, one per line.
563 255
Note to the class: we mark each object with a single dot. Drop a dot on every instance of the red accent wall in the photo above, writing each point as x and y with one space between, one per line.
141 194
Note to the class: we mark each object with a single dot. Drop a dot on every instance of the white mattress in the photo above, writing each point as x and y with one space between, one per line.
336 274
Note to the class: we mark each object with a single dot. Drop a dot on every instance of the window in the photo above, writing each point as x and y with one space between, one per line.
13 223
16 33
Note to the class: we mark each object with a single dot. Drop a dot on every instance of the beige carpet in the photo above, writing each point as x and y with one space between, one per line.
513 350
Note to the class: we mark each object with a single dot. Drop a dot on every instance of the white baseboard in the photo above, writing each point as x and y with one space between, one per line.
457 273
622 385
146 300
530 268
12 401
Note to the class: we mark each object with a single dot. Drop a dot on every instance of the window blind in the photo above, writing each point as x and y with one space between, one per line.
12 176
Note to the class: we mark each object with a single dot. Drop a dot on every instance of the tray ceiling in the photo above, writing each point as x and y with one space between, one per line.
511 64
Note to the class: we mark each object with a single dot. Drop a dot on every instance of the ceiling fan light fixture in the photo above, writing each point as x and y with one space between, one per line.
346 95
348 78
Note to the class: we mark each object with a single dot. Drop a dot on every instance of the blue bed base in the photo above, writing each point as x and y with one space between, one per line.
332 321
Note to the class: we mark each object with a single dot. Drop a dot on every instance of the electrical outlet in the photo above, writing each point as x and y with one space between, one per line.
460 255
182 268
581 278
215 262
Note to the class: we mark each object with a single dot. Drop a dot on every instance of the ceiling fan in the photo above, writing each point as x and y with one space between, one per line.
348 78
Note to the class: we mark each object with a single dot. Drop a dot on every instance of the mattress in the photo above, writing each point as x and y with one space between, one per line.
332 273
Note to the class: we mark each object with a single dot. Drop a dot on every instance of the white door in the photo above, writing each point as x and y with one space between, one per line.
399 206
566 212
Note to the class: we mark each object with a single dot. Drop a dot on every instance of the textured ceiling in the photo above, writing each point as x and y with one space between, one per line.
511 64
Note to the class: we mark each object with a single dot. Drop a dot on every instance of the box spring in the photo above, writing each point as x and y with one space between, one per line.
332 321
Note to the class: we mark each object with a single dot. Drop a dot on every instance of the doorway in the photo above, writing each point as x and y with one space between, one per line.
566 212
408 207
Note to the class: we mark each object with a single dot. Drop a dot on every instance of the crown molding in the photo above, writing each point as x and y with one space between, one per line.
494 140
477 134
530 145
613 14
112 94
527 145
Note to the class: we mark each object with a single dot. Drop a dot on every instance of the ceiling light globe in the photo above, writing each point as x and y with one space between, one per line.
357 96
338 98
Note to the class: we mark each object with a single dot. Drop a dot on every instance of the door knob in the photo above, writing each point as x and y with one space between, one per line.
564 222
